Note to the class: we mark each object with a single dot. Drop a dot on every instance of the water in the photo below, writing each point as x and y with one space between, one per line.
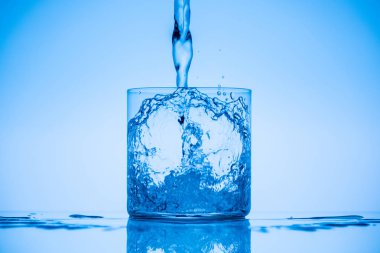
182 42
189 154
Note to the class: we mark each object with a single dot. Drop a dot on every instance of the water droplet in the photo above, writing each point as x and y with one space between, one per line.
224 93
220 50
223 77
219 93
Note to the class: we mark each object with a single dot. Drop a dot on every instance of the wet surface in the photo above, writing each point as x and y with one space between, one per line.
313 224
70 222
260 233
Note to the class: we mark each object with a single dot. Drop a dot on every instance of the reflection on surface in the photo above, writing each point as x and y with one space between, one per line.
157 236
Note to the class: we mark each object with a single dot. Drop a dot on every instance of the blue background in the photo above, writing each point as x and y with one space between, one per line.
313 66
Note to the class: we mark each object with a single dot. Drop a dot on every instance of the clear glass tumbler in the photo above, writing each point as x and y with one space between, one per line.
189 152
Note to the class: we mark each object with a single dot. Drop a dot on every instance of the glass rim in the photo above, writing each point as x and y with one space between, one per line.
171 89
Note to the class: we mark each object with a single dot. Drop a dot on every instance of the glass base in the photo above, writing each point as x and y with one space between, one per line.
180 217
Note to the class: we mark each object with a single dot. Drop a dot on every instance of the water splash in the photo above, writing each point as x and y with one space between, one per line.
182 41
189 153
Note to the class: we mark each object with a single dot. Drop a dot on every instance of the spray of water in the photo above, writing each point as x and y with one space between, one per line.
181 41
189 153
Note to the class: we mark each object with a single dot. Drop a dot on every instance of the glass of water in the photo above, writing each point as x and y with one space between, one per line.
189 152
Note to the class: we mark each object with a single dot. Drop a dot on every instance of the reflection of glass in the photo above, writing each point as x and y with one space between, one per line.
156 236
189 152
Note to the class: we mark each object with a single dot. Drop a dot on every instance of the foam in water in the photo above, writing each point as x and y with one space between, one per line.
189 153
181 40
